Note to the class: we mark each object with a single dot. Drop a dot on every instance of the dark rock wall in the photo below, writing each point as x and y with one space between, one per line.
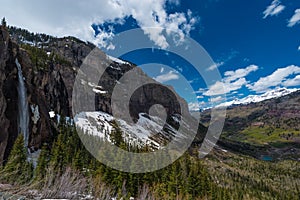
8 94
50 88
46 91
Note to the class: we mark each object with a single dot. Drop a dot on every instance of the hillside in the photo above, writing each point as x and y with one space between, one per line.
269 128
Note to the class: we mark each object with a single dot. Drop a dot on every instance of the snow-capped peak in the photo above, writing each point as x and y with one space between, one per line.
117 60
278 92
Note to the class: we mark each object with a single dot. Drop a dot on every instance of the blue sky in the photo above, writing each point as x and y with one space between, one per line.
240 37
255 45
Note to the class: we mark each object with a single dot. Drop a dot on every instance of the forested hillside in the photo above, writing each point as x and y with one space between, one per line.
66 170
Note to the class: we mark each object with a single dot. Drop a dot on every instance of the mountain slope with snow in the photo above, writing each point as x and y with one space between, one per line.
149 130
258 98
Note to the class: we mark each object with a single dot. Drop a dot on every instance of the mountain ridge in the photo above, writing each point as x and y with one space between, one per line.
275 93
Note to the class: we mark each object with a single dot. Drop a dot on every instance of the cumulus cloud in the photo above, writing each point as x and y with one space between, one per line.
295 18
62 17
240 73
171 75
292 82
225 87
232 81
280 77
274 9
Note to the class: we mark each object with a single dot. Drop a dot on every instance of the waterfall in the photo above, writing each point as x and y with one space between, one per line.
23 118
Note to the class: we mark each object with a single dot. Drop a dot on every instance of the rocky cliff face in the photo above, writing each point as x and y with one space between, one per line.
50 66
48 82
46 90
8 93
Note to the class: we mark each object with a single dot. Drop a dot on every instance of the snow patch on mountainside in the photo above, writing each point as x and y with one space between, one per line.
99 91
258 98
101 124
139 134
117 60
95 123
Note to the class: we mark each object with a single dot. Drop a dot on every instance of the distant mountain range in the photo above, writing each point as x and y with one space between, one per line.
278 92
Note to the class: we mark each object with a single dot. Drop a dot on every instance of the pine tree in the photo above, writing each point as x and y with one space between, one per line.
3 22
77 161
174 179
116 136
58 154
42 164
17 168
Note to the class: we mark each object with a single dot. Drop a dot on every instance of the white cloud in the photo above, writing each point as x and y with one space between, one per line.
295 18
299 48
280 77
63 18
225 87
171 75
216 99
292 82
103 38
274 9
215 66
162 70
199 91
196 106
232 81
200 97
239 73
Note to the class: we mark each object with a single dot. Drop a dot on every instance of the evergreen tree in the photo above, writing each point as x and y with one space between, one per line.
3 22
116 136
17 168
42 163
58 154
77 161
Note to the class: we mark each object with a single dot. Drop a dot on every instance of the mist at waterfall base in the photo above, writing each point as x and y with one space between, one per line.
23 118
